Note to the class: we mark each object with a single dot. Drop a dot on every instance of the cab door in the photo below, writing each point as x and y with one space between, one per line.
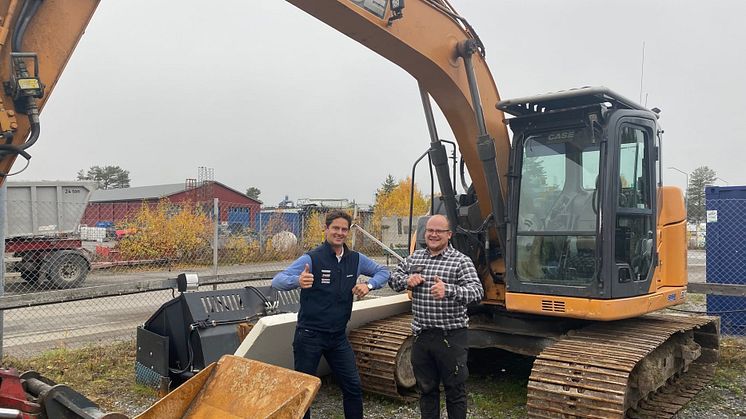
632 252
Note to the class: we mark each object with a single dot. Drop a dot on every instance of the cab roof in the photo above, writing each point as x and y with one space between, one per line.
566 100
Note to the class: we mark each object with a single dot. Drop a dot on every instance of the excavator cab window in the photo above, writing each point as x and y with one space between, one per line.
556 230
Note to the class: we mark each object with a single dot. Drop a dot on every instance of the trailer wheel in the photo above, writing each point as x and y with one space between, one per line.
68 270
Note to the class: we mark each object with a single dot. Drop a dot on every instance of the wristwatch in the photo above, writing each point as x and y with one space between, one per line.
370 286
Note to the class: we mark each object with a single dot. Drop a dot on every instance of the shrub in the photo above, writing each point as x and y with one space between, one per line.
179 232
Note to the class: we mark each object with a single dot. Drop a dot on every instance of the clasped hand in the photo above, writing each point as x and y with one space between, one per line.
438 290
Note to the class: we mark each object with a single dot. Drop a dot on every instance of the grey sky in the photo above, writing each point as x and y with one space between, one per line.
270 97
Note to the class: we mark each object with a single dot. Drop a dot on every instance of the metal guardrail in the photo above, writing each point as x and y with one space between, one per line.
733 290
9 302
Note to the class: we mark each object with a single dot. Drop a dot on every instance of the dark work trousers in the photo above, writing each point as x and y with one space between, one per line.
308 347
437 356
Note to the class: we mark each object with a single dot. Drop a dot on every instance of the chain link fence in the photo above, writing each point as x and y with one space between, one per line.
50 256
725 259
137 246
155 239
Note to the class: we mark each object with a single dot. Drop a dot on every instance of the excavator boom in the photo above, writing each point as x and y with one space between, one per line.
425 43
50 29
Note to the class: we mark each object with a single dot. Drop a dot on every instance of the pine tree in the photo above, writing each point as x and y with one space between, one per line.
695 193
388 185
107 177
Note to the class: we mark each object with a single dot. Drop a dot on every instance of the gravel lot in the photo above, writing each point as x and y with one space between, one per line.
497 389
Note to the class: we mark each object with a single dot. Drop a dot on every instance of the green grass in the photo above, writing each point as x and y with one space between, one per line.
496 397
727 384
731 369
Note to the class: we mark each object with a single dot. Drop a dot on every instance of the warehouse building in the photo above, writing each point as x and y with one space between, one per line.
116 205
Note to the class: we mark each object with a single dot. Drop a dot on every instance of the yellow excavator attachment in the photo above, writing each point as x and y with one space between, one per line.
236 388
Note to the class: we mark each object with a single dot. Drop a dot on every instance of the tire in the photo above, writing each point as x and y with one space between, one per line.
67 270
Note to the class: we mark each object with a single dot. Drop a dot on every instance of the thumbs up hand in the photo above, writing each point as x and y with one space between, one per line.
306 278
438 291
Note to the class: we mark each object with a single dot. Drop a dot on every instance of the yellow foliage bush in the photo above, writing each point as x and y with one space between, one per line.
396 203
238 249
313 233
175 231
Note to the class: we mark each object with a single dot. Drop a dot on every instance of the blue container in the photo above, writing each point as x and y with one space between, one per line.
239 216
278 221
726 253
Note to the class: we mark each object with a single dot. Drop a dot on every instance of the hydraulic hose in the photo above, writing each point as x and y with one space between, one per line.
28 10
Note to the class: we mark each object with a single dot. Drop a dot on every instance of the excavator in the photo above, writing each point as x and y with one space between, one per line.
577 242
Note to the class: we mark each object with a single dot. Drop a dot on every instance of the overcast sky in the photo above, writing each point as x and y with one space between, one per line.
273 98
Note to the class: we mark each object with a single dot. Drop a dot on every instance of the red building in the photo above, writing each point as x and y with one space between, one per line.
117 205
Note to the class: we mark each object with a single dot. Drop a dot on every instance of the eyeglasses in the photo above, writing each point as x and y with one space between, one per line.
435 231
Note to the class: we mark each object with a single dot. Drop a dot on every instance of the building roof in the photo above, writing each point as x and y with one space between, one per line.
140 193
136 193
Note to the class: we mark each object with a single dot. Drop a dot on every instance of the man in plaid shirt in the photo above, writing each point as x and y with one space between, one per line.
443 281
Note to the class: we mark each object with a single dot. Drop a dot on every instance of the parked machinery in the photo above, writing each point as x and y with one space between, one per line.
42 239
196 328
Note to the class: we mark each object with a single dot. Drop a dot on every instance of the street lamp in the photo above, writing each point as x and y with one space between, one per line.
686 191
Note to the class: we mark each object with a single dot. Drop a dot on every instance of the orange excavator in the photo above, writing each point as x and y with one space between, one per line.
575 238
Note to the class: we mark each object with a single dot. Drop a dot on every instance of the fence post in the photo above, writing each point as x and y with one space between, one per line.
354 220
216 216
259 228
3 222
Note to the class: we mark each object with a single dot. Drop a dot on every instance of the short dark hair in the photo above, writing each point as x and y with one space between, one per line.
333 215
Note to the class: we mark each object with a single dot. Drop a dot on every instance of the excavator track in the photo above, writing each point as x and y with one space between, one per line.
645 367
382 349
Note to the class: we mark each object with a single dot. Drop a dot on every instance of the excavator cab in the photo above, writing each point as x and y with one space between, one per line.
583 191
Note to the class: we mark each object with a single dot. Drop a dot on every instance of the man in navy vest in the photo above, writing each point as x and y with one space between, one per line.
328 276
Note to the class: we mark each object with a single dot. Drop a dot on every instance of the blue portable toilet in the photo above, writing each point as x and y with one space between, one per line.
726 253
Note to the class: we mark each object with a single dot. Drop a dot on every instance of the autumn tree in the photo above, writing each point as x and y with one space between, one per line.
313 233
397 202
695 193
107 177
180 232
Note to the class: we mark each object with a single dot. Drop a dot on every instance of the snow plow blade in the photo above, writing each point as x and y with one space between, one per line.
236 387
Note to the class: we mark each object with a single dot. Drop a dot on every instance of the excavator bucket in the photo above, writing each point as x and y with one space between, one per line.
235 388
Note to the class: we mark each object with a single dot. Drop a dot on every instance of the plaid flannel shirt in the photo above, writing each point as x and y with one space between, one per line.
462 287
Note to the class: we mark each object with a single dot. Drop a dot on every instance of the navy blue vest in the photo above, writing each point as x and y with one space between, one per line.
327 305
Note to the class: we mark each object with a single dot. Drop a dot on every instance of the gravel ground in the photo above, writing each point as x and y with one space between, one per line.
495 392
496 387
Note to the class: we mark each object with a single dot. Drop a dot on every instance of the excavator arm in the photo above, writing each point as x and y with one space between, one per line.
426 42
33 32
